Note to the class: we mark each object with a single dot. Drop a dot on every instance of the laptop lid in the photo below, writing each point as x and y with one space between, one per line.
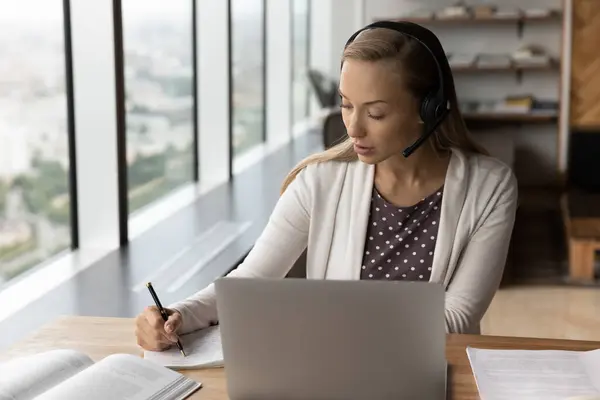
327 339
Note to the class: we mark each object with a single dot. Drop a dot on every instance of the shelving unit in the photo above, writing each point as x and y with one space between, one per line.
518 70
511 118
553 16
529 137
553 66
484 119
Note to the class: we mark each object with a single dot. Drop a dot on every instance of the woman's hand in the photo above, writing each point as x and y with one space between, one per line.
155 334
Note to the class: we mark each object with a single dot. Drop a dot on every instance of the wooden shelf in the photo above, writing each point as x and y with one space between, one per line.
513 68
518 20
510 118
479 20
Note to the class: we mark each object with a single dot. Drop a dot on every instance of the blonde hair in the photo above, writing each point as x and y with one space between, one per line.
418 71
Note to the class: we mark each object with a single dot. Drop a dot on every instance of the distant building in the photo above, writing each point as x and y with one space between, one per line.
13 233
15 154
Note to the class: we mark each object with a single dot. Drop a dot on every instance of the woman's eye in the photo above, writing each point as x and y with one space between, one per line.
377 117
347 106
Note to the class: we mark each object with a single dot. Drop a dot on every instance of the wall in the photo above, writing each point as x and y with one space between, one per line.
535 147
332 23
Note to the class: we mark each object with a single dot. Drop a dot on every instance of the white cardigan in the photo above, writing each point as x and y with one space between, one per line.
327 208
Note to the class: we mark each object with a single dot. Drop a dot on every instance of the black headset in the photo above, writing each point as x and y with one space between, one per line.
435 106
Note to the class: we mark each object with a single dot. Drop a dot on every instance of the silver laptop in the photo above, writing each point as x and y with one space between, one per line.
330 339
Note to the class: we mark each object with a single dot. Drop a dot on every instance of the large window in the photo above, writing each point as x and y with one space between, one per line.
248 63
159 97
300 48
34 151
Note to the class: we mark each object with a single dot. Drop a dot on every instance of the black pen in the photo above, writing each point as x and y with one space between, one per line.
162 311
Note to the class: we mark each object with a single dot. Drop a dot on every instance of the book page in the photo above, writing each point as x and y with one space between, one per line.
591 362
530 374
202 348
27 377
123 376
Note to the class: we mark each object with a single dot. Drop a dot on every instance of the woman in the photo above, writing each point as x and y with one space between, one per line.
365 210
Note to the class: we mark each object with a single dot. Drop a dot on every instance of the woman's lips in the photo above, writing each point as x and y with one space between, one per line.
363 150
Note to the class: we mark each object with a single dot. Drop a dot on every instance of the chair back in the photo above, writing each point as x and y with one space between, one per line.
334 130
324 88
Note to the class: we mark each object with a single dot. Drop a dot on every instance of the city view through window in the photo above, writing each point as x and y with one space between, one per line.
248 84
34 160
35 220
157 41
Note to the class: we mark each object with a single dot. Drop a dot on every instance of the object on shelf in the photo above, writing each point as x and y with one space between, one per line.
511 105
421 14
508 13
537 13
488 60
544 107
482 119
481 12
458 10
531 55
524 58
484 11
515 105
460 60
469 107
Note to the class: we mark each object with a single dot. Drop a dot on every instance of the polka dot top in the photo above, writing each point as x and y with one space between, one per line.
401 240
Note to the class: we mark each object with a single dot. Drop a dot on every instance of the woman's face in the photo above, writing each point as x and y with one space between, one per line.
380 115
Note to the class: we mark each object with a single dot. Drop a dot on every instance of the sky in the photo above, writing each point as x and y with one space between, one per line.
32 11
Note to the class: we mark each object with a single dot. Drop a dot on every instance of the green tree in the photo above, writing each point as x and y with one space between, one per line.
53 178
48 180
145 169
35 199
61 214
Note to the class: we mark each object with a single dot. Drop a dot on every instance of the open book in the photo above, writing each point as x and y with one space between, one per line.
202 348
69 374
535 374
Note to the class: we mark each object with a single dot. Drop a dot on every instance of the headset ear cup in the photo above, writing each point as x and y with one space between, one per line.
442 109
424 114
429 109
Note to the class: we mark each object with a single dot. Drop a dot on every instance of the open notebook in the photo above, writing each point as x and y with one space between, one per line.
536 374
202 348
69 374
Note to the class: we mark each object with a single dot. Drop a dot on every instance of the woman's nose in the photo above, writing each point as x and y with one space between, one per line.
354 126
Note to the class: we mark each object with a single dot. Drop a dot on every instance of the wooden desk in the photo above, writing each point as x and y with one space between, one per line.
100 337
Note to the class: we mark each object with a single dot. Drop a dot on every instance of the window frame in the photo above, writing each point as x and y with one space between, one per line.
71 147
70 94
142 219
11 292
121 121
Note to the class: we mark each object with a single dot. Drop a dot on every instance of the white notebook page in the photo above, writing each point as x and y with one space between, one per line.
202 348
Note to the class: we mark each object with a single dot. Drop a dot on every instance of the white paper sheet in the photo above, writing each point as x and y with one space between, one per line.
202 348
534 374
